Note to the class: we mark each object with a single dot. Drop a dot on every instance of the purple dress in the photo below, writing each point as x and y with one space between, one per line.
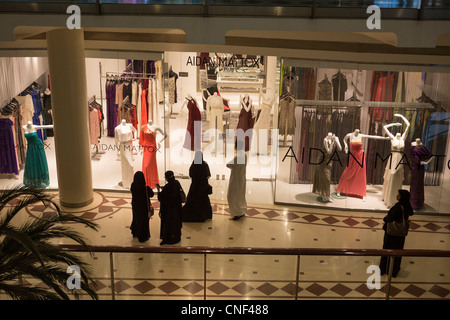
8 160
417 174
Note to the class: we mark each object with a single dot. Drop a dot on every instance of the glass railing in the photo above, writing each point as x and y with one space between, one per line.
205 273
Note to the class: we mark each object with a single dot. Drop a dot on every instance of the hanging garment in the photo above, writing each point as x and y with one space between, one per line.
260 141
149 166
245 123
8 159
47 112
173 88
27 108
124 139
36 168
144 116
325 89
322 174
339 86
193 139
353 179
417 192
393 174
286 123
94 126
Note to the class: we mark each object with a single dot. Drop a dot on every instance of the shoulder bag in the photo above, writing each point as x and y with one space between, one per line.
151 210
398 229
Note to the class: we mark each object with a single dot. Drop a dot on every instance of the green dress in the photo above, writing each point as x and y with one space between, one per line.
36 168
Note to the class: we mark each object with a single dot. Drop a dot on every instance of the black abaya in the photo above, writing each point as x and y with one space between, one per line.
140 223
198 207
170 212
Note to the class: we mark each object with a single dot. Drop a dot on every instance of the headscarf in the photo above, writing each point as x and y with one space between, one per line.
404 201
138 186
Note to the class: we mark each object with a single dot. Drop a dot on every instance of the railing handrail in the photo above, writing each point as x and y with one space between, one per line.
260 251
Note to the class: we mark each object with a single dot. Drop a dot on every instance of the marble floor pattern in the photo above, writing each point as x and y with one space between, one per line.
180 276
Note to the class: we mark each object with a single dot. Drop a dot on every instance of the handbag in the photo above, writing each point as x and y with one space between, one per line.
210 189
151 210
398 229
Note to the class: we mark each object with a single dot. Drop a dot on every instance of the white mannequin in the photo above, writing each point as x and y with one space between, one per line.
156 129
398 136
357 136
189 98
419 144
47 91
246 100
125 134
30 127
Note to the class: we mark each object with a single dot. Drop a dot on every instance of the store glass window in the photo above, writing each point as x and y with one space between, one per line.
351 138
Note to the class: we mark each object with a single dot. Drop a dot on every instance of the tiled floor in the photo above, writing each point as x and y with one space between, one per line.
180 276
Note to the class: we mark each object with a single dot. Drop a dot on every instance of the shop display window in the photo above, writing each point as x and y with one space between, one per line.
351 138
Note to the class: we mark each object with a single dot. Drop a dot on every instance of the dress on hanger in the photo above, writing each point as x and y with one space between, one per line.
147 140
322 175
245 122
214 106
261 130
94 126
8 159
287 116
36 168
393 174
192 140
353 179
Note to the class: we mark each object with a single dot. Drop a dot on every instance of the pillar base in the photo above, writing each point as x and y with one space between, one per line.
76 205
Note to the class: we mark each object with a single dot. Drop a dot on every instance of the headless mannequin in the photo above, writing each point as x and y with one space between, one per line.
327 144
125 128
154 128
30 127
357 136
419 144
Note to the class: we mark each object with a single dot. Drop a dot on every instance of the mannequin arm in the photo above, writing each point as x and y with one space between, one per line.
338 144
346 138
427 162
407 124
386 127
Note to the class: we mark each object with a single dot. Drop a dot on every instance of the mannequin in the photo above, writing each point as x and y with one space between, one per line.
214 109
150 148
393 174
420 156
245 122
36 168
193 139
260 141
322 176
353 180
124 134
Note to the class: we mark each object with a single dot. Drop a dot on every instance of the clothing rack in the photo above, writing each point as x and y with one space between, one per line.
128 75
372 104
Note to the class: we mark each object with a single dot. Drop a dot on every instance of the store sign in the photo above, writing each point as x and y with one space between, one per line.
223 62
317 156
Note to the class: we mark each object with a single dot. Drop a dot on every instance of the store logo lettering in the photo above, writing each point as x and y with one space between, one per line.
222 63
374 21
74 21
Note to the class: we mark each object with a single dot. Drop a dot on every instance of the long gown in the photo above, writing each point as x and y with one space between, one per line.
393 174
170 212
245 123
8 159
36 168
260 141
237 187
149 166
353 179
322 175
198 206
193 140
124 138
417 175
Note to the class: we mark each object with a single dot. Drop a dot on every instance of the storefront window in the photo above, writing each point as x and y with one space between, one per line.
352 138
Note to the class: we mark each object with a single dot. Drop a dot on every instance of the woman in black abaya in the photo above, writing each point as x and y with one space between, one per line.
170 210
198 207
140 200
401 210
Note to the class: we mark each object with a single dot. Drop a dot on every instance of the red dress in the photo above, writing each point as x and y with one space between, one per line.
149 167
192 141
245 123
353 179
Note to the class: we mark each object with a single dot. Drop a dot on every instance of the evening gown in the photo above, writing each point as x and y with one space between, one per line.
36 168
393 174
149 166
322 175
353 179
417 175
124 138
245 123
192 140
